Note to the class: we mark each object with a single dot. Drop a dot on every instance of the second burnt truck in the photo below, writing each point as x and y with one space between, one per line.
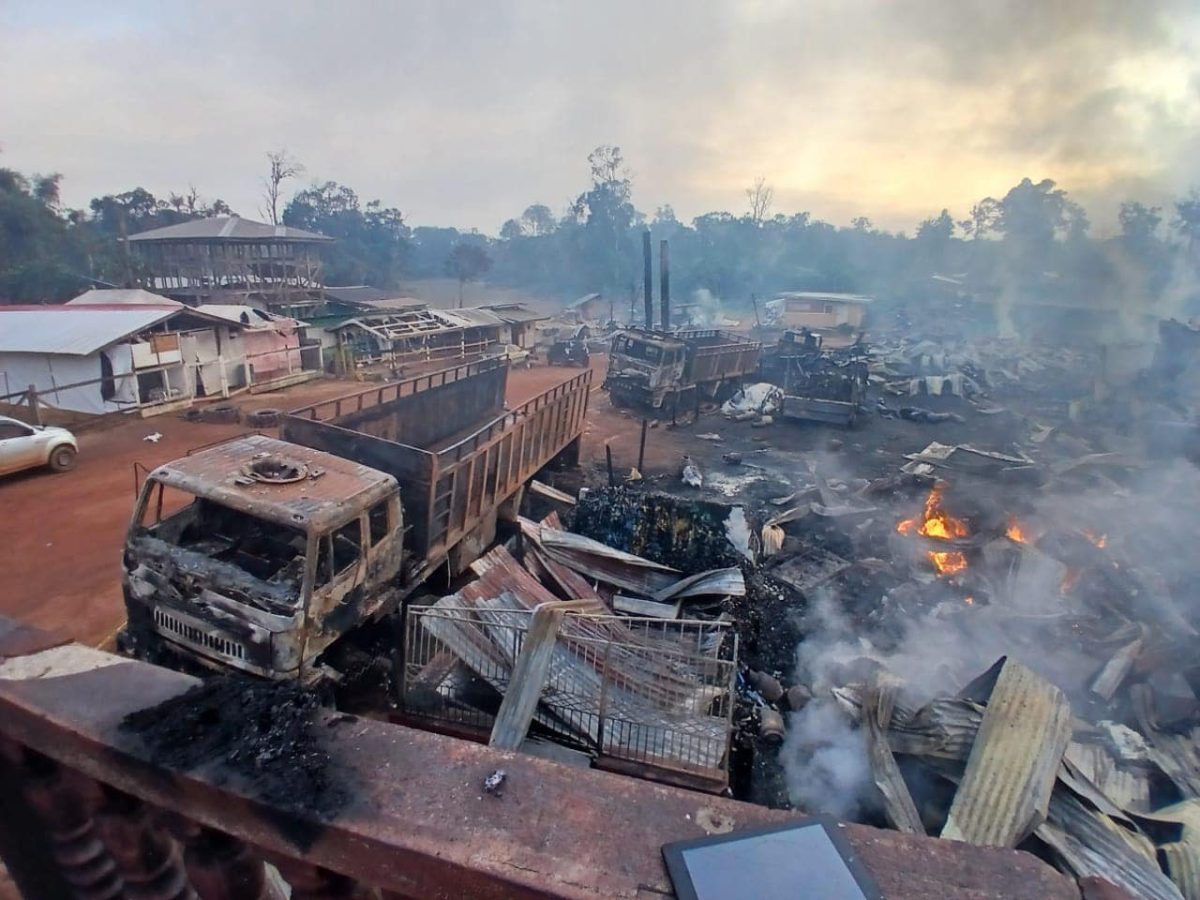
259 554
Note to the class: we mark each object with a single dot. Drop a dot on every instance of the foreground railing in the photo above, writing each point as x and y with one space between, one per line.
88 810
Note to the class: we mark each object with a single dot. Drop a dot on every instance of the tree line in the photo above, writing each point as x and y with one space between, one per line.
1034 238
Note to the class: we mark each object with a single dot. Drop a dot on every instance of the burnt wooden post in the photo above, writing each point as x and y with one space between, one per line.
35 410
612 481
642 447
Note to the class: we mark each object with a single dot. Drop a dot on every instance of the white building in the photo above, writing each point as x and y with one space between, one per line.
96 357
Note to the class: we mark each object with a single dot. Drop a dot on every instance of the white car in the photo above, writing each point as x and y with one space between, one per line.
29 446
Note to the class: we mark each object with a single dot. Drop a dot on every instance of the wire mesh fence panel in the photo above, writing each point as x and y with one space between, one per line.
656 693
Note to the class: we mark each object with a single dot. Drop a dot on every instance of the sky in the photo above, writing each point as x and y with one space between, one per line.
465 113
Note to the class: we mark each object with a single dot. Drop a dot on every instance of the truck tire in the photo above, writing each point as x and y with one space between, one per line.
263 418
62 459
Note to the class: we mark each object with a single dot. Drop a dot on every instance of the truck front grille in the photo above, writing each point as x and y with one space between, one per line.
197 637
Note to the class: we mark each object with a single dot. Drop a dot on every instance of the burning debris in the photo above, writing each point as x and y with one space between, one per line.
939 525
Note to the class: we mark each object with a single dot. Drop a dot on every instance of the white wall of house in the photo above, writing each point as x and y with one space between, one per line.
214 358
48 371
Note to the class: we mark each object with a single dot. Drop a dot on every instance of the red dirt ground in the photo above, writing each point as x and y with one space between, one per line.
62 534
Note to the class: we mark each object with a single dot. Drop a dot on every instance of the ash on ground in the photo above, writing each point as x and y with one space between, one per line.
260 734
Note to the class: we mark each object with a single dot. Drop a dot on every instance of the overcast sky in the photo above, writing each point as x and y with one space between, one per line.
465 113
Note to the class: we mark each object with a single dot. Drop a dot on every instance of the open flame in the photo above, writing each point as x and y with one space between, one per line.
1100 540
1016 532
936 523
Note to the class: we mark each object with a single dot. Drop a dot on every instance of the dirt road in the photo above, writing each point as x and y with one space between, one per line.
62 534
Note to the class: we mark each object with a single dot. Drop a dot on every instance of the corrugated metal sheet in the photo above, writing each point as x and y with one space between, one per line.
1010 773
230 228
248 316
469 318
599 561
73 330
1092 844
716 582
1183 865
515 313
121 296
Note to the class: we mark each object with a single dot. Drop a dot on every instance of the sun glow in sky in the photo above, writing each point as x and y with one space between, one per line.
465 113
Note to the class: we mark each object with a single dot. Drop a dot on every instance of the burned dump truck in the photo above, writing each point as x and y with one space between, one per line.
676 370
818 385
259 554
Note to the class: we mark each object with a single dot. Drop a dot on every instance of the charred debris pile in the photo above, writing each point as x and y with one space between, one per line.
993 595
268 736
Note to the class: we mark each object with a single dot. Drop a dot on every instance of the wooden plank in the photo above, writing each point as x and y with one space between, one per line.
898 805
551 493
529 675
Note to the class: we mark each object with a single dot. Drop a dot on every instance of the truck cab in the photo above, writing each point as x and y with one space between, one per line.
257 555
645 367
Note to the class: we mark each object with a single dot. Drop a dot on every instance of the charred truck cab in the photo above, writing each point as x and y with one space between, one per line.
675 370
258 554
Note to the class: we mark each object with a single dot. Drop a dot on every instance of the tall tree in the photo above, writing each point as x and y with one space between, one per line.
1139 223
372 241
281 168
607 214
1187 219
760 194
467 262
39 258
538 220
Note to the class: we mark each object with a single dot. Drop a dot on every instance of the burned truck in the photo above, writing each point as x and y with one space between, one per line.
818 385
658 370
260 555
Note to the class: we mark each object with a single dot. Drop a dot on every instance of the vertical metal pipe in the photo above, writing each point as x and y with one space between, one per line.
664 273
648 273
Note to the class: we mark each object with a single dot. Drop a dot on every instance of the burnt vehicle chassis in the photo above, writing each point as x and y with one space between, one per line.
656 370
818 386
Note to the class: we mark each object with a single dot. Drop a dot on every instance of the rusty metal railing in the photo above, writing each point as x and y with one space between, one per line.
653 693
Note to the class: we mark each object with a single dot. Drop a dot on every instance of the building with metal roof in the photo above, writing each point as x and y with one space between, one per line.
227 259
821 312
121 297
74 330
362 294
228 228
111 357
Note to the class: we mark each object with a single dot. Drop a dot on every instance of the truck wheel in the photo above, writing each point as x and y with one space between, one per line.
62 459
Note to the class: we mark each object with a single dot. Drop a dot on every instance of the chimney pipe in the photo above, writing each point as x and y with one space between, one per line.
648 268
664 271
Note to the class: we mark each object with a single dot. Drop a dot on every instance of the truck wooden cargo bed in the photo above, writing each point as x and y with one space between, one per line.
451 476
